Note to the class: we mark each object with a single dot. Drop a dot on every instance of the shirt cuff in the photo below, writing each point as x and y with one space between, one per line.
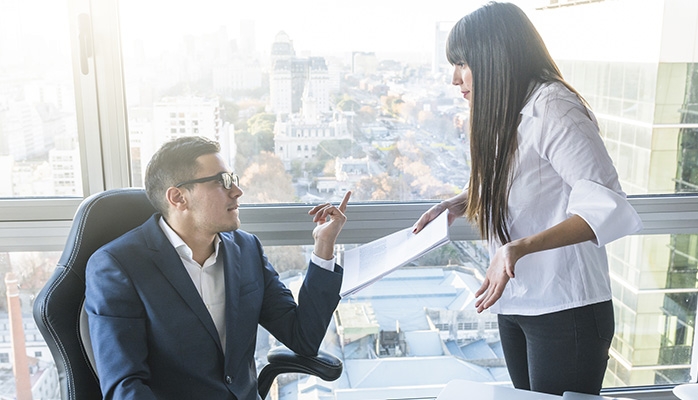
608 213
322 263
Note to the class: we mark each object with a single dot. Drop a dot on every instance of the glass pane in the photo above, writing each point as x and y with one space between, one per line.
421 316
325 107
420 320
31 270
644 100
39 152
297 102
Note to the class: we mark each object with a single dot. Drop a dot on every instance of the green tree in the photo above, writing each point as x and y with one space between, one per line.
261 127
229 111
258 137
348 104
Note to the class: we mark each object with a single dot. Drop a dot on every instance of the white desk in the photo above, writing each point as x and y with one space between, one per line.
462 390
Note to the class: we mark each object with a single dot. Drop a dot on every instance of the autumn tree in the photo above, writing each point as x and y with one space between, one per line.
33 269
417 175
265 181
366 115
382 187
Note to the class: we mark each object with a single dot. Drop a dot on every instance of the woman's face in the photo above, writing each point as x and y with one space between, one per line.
463 78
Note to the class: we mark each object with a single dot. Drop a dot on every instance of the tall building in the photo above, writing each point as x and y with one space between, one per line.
281 49
174 117
292 77
21 131
66 173
638 73
364 63
439 63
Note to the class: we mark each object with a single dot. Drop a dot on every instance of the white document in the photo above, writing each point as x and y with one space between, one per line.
367 263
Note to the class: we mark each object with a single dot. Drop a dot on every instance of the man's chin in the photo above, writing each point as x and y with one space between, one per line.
234 226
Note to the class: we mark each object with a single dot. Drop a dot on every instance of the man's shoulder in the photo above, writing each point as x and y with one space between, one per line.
133 239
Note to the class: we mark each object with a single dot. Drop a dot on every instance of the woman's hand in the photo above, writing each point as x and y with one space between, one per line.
501 269
454 205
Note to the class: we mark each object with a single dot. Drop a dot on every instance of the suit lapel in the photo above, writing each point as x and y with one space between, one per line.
169 263
230 252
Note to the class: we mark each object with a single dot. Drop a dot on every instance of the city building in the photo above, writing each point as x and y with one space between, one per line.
642 88
412 331
238 74
633 61
64 159
297 136
439 63
364 63
292 79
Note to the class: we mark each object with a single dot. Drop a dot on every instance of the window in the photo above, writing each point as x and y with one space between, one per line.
376 115
38 122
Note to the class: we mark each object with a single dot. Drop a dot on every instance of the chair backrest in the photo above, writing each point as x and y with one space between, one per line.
100 218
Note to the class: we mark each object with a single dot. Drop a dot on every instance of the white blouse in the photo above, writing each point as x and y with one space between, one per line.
562 168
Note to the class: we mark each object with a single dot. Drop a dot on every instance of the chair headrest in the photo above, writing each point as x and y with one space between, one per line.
100 219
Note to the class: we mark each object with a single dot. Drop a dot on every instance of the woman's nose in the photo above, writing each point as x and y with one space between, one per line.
456 80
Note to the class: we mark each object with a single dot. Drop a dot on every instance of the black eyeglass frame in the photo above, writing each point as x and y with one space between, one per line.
228 179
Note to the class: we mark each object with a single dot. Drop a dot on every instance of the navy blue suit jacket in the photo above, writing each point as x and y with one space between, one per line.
153 337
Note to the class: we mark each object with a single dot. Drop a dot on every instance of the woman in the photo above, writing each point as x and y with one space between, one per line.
544 193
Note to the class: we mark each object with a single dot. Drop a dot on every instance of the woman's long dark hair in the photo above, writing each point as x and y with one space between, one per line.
507 58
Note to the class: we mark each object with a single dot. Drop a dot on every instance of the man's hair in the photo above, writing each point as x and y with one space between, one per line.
173 163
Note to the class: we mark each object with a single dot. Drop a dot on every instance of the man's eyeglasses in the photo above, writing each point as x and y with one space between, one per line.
227 179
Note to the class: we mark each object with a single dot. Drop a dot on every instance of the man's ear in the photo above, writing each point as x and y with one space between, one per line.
176 198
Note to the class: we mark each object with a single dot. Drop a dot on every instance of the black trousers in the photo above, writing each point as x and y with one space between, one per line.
561 351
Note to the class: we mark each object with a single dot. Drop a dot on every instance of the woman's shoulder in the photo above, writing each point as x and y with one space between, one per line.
552 100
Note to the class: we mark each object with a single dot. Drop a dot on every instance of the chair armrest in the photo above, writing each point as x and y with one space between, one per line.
282 360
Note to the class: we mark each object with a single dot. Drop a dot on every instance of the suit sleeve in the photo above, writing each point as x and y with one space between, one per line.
117 329
300 326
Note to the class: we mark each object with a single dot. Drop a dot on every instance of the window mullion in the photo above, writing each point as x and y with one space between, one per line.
87 110
111 99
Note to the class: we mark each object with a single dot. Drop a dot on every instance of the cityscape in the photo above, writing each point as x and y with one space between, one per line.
305 126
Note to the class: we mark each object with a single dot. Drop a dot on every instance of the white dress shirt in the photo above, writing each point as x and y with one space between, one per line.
562 168
209 278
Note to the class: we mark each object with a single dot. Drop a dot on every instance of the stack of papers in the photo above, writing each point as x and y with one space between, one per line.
367 263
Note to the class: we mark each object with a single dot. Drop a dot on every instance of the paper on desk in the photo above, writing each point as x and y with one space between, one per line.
369 262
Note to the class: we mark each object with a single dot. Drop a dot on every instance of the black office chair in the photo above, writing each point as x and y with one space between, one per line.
58 308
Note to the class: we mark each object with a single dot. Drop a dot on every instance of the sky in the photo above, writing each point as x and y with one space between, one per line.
318 26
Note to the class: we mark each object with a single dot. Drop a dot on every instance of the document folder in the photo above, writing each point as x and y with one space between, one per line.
369 262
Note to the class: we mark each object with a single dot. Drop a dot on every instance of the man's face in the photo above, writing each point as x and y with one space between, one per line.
211 208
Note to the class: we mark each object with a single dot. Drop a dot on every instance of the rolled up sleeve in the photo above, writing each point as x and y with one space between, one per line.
608 213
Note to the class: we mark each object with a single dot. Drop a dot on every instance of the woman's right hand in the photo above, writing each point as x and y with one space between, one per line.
453 205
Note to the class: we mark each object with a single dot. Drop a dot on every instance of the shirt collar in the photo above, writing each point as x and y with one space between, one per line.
180 246
534 91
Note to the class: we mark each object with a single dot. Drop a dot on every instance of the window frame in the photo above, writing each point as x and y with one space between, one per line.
42 224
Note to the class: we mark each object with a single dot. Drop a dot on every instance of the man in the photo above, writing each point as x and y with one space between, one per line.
174 304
